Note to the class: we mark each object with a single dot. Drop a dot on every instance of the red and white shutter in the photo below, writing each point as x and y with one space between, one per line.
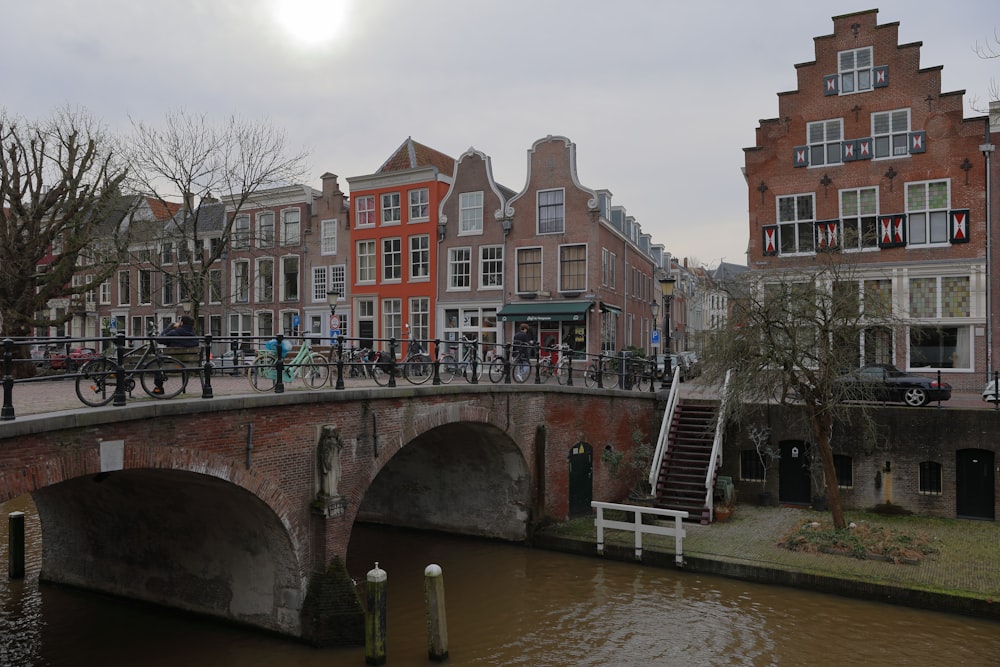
960 226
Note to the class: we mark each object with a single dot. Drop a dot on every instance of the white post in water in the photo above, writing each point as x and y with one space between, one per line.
375 631
15 545
437 623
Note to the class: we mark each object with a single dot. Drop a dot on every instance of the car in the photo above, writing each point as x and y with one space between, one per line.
990 392
885 382
77 357
690 359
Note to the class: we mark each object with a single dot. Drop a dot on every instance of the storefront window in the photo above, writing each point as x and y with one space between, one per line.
940 347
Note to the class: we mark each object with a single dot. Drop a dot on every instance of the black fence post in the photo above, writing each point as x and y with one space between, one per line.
600 370
392 362
206 387
437 362
475 362
279 364
8 380
996 393
340 363
119 399
508 350
569 368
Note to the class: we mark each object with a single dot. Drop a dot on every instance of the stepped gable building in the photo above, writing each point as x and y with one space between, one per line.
870 159
393 232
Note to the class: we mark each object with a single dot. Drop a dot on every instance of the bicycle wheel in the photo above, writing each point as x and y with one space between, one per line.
466 369
379 373
544 369
590 376
163 377
497 370
418 369
521 370
562 371
610 377
642 379
95 385
315 371
261 373
447 368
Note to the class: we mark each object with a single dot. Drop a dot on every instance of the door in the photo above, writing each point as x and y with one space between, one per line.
366 332
974 486
794 484
581 479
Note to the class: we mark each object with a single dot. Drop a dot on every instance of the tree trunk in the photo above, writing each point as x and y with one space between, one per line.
823 430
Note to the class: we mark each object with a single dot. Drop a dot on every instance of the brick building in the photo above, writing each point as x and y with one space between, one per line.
870 159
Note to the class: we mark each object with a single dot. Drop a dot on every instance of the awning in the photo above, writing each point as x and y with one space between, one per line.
550 311
608 308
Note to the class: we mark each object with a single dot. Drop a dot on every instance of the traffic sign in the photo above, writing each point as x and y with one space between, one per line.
654 337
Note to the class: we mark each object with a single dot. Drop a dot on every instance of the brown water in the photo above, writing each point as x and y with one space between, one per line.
506 605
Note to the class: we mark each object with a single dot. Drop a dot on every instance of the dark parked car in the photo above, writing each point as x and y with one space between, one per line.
885 382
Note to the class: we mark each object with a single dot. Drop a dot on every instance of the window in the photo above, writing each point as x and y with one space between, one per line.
392 260
241 281
420 318
927 213
891 133
215 286
319 289
572 268
364 215
241 233
824 142
145 287
470 206
183 254
166 253
265 280
328 279
420 257
796 224
338 279
290 278
551 212
419 205
168 289
844 466
751 467
390 209
105 293
604 266
329 241
265 323
930 478
491 267
855 69
934 347
529 269
124 288
392 318
859 218
290 227
265 230
612 271
609 332
459 268
366 261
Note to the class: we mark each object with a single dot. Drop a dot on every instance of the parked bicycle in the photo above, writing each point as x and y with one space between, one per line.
311 366
161 376
417 365
603 372
449 365
520 365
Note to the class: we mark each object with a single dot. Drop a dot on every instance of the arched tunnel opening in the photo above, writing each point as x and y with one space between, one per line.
465 478
181 539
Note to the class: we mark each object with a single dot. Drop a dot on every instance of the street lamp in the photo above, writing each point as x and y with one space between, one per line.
667 286
331 299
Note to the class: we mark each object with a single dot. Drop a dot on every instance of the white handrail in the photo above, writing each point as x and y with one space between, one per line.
638 527
715 461
661 439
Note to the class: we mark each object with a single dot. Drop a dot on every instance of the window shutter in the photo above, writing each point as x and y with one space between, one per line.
826 234
918 142
770 239
830 84
960 226
891 230
880 76
800 156
864 149
849 150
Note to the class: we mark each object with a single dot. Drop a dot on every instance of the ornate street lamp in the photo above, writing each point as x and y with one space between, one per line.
331 299
667 285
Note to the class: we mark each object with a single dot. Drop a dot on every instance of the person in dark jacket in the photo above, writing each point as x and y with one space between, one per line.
180 334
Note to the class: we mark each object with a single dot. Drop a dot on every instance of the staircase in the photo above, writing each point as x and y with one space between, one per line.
681 482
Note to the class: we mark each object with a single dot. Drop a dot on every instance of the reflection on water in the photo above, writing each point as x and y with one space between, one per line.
506 605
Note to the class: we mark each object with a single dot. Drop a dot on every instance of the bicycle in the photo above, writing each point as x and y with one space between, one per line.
602 372
311 365
417 366
520 366
564 364
449 366
161 376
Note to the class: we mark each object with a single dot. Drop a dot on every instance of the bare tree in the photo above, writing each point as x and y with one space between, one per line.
60 190
195 162
791 335
988 50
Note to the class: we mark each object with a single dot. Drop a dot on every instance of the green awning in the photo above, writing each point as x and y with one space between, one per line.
608 308
549 311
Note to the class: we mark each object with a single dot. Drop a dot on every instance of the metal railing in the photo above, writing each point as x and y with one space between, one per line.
662 440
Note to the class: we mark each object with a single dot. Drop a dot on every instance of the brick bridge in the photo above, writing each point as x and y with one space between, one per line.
241 507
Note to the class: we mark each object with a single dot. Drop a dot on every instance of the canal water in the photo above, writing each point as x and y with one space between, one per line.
506 605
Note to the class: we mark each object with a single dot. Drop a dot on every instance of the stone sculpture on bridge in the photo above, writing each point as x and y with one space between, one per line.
328 451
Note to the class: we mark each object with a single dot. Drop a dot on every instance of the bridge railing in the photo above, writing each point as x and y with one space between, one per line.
639 528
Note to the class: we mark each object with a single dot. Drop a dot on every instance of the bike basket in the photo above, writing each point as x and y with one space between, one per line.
272 346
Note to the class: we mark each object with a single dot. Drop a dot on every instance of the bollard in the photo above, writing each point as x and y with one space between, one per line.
15 540
375 617
437 623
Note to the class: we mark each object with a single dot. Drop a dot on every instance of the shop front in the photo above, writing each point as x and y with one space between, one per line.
552 323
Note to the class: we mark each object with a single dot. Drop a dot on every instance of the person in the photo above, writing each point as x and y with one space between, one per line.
180 333
523 341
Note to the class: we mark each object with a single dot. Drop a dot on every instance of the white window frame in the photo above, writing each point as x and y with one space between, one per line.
264 292
392 319
419 205
265 229
420 258
566 246
491 268
364 215
392 259
320 286
367 263
828 141
241 281
456 275
390 211
517 269
420 318
215 286
328 234
856 222
125 290
897 140
241 233
928 214
860 76
291 230
470 213
285 285
797 225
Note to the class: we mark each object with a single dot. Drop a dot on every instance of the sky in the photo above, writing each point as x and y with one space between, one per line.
660 97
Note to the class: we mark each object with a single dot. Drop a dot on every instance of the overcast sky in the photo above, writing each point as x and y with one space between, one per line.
660 97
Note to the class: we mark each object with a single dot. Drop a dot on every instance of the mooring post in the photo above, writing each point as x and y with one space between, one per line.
437 623
375 631
15 545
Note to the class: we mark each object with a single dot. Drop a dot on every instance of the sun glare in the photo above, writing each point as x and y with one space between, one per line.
311 23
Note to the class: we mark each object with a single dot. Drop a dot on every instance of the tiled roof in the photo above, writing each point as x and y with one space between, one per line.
411 155
162 210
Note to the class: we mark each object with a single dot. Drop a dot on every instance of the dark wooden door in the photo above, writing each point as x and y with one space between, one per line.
974 485
581 479
794 483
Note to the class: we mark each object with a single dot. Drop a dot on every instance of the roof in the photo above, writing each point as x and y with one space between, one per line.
411 155
162 210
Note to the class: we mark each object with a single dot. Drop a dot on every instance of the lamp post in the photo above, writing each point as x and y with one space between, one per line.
654 310
667 285
331 299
